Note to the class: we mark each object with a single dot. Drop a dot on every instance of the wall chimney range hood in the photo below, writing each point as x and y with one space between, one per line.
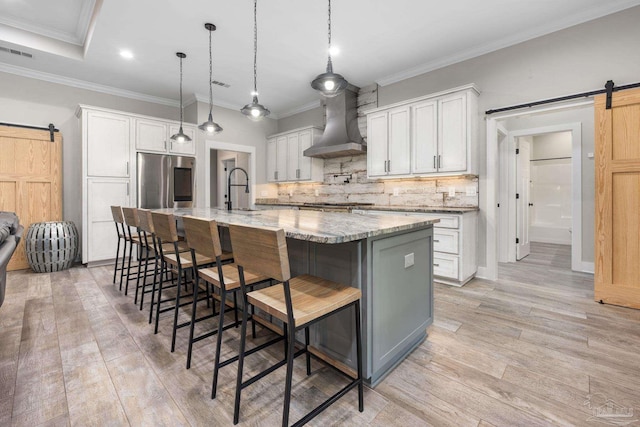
341 135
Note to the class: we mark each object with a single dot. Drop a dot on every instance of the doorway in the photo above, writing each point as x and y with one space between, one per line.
216 177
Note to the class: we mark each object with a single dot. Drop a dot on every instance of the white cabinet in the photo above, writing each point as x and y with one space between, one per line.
286 161
151 135
155 136
110 141
424 136
107 177
389 143
107 145
454 244
100 238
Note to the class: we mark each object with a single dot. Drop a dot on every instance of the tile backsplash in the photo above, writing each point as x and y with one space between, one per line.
345 181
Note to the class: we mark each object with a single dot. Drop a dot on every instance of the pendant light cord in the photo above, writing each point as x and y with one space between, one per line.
180 92
210 76
255 47
329 32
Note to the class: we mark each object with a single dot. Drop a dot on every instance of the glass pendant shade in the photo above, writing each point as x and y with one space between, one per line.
255 111
329 84
210 127
180 137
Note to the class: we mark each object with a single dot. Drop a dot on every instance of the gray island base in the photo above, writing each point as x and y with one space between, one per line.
390 258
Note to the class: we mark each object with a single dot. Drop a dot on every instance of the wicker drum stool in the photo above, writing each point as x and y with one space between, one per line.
51 246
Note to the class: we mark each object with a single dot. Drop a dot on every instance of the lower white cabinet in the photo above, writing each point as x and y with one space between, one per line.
454 244
99 240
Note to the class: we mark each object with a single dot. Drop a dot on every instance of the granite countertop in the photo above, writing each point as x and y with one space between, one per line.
425 209
314 226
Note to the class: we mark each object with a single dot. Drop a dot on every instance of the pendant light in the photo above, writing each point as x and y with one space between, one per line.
180 136
329 84
255 111
210 126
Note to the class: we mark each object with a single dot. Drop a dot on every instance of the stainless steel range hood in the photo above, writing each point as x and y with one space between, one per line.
341 134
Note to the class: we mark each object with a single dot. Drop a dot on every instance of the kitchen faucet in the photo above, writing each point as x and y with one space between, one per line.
229 185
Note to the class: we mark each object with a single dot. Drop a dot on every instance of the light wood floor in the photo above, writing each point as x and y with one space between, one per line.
530 349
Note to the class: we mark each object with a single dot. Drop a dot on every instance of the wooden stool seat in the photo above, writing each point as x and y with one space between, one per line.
230 275
182 247
185 259
311 297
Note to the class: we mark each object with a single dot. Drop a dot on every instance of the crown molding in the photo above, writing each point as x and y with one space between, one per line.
528 34
82 84
306 107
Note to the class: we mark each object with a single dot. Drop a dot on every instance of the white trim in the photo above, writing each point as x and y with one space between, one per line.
217 145
525 35
587 267
301 109
490 271
81 84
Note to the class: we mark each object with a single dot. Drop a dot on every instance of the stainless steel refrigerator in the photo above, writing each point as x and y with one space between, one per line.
165 181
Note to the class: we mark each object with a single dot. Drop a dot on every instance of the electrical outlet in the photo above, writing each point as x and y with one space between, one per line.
409 260
264 193
590 155
396 191
471 190
317 192
452 191
290 193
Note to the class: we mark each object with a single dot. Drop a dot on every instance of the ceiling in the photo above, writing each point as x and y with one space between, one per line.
78 42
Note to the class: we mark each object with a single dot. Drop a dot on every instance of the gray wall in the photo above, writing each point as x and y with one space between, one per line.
574 60
38 103
314 117
551 145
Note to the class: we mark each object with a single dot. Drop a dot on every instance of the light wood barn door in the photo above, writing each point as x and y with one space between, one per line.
30 179
617 171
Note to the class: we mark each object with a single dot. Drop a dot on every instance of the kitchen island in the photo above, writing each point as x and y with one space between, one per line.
388 257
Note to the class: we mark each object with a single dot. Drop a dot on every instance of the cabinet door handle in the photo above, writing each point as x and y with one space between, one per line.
439 157
127 188
297 173
385 165
276 174
434 162
127 169
389 166
436 241
436 265
165 144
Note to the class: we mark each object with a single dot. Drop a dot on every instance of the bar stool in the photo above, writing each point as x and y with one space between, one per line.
203 238
166 231
132 232
147 235
298 302
118 220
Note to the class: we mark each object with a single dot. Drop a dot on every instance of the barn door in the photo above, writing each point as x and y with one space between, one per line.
617 170
30 179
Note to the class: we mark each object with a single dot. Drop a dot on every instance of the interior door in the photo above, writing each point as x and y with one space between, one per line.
523 185
617 170
30 179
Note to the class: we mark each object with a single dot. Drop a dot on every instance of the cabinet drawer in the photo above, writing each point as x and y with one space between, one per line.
446 241
448 222
446 265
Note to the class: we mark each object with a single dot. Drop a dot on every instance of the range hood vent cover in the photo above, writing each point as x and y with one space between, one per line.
341 135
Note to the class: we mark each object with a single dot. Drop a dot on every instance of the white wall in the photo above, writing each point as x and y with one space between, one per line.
574 60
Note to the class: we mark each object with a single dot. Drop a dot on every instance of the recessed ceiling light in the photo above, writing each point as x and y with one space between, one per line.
126 54
335 50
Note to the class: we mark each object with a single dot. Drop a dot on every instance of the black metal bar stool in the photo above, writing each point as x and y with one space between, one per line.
167 233
298 302
132 231
204 238
118 219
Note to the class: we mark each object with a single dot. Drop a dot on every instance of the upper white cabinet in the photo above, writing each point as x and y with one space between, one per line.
155 136
107 144
389 143
286 161
429 135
